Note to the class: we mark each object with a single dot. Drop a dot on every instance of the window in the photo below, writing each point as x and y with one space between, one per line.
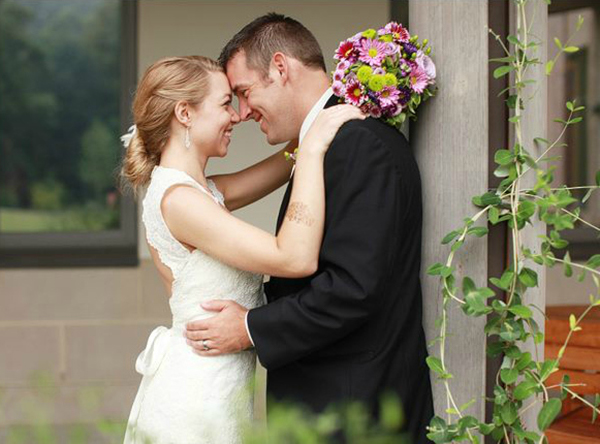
575 77
67 72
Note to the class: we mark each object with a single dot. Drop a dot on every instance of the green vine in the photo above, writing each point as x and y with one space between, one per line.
521 377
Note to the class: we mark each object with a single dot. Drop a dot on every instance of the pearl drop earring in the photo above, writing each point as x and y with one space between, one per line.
188 143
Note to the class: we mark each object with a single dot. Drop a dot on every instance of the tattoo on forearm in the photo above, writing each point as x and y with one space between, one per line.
300 213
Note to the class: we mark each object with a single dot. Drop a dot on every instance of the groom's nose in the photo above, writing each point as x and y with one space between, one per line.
246 113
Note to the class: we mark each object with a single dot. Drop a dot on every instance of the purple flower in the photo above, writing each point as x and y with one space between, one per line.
426 64
343 65
339 75
379 71
388 96
404 96
418 80
338 88
391 49
372 52
409 48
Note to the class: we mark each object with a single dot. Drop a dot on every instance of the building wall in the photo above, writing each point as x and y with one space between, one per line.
78 331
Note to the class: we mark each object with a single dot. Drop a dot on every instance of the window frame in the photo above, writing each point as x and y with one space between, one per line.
113 248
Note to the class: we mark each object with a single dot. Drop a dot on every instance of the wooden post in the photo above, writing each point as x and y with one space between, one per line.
450 140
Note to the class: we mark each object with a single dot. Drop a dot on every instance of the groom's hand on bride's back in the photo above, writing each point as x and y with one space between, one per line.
221 334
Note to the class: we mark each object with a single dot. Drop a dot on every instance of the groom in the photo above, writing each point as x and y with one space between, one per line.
352 331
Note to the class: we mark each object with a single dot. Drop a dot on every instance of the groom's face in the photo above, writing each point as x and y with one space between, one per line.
262 100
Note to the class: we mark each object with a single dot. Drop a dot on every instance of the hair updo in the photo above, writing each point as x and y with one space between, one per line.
166 82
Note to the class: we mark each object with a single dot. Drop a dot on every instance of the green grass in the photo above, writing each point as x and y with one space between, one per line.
13 220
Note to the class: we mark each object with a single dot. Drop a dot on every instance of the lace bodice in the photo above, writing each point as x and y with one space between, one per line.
170 251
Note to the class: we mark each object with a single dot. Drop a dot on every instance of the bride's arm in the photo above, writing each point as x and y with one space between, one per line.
195 219
255 182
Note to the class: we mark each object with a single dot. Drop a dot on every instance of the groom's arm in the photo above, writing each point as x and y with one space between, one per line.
362 199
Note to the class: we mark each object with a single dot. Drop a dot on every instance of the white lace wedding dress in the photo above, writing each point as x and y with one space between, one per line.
185 398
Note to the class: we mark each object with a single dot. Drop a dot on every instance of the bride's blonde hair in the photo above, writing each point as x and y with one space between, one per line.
166 82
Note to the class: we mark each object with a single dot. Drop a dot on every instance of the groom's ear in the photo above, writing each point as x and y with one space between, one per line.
280 67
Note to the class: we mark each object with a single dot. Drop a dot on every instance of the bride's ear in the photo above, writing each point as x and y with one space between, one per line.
280 68
182 112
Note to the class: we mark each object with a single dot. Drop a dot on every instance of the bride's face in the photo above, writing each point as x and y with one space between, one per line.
214 118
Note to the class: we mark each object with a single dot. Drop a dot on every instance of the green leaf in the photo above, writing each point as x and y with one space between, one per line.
598 178
571 49
548 413
468 286
503 70
549 67
466 404
435 365
548 367
450 237
524 390
503 157
570 106
478 231
567 265
493 215
509 413
594 261
435 269
572 321
528 277
456 245
521 311
526 209
558 43
509 375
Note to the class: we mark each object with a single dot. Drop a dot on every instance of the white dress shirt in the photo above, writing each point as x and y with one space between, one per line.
308 121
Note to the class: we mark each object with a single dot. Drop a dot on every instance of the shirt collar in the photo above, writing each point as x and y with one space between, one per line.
313 113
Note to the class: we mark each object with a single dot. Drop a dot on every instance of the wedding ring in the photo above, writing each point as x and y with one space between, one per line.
204 345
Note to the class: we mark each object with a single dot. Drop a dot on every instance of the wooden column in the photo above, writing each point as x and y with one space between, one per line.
450 140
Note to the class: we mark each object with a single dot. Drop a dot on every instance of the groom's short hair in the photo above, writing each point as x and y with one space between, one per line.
273 33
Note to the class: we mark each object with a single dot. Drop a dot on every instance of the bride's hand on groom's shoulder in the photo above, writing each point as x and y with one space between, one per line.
221 334
326 125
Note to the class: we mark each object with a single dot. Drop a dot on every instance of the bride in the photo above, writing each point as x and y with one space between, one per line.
183 116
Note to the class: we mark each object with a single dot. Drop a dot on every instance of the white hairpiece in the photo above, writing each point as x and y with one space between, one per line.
126 138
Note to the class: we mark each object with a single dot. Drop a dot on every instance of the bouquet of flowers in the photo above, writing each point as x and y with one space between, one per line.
386 73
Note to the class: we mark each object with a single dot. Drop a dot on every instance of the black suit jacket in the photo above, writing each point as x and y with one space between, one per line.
353 331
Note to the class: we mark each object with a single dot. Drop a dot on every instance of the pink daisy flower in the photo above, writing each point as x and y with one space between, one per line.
375 111
339 75
343 65
398 32
346 51
372 52
418 80
354 93
338 88
388 96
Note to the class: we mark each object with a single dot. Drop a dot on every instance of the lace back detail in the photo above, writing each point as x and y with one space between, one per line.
171 252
